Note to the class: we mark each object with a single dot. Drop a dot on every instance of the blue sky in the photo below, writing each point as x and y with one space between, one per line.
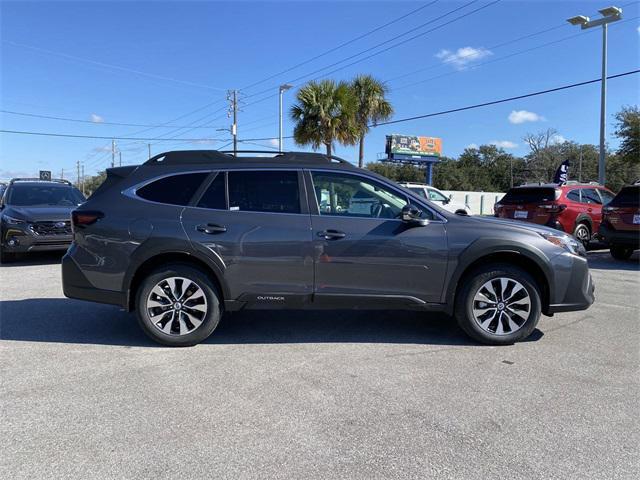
147 62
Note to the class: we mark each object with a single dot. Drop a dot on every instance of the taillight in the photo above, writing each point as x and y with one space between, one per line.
608 209
496 209
83 218
553 207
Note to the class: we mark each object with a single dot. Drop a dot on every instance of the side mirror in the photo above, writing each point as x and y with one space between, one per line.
411 215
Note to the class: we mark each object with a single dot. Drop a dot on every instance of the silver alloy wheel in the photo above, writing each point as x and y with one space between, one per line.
501 306
582 234
177 305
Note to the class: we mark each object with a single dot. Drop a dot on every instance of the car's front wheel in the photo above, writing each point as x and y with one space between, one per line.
178 305
621 253
498 304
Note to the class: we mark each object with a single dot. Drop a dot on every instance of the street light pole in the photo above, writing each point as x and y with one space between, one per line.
283 88
609 14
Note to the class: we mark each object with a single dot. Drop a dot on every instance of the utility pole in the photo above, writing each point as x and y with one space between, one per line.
232 97
120 159
83 178
78 167
149 146
609 14
62 174
580 166
113 153
283 88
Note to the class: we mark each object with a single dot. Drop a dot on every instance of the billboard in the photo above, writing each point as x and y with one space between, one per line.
413 146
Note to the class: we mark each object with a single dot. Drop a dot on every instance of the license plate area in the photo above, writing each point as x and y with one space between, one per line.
520 214
636 219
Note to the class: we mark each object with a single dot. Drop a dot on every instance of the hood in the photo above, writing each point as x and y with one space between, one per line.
515 224
40 214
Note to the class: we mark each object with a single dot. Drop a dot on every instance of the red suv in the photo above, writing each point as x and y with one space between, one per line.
620 226
574 208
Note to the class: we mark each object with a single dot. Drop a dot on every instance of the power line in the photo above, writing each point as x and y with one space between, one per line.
342 45
78 120
504 100
390 122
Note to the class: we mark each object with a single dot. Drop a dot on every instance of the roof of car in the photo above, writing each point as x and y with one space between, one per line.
36 181
227 158
570 184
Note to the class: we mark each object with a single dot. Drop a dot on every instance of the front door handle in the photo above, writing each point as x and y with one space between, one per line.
211 228
332 234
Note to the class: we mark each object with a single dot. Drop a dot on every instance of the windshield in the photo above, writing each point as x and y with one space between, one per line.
44 195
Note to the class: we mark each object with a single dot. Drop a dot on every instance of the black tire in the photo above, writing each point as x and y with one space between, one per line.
582 233
474 282
209 320
620 252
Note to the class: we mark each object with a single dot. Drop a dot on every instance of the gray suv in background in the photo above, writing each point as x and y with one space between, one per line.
189 235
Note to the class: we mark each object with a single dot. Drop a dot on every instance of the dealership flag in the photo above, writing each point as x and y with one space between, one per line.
562 173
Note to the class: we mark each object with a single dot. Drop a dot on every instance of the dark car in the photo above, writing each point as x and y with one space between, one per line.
575 208
620 227
3 187
190 235
35 215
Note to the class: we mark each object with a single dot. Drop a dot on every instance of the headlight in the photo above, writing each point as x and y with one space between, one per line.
13 220
570 244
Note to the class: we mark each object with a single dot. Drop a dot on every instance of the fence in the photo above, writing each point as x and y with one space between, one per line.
480 203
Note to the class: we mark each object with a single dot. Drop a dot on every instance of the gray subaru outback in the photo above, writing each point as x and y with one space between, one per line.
190 235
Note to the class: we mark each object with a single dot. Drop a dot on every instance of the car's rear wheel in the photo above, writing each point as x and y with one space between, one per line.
582 233
621 253
498 304
178 305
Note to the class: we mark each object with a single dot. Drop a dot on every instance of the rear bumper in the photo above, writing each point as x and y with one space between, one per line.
619 237
575 289
75 285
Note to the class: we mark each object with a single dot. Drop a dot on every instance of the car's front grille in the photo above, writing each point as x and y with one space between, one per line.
52 228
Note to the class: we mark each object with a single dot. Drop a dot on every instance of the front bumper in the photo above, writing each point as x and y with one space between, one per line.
574 289
619 237
21 239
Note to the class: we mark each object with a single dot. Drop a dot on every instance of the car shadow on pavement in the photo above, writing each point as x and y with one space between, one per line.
61 320
602 260
35 258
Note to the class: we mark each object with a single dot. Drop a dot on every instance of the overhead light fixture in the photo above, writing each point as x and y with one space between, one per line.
578 20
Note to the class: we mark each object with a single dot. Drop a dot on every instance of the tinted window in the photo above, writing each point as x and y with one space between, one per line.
606 196
264 191
215 196
574 195
589 195
529 195
628 197
355 196
174 190
30 195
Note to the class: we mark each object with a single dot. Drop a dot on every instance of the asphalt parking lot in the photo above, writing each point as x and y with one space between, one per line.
360 395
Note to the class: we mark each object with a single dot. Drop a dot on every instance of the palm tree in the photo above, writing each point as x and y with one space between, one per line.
371 106
324 113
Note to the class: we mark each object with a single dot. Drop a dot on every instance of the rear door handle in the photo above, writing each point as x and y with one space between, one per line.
332 234
211 228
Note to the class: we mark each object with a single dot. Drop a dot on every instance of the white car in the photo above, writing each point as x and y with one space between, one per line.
436 196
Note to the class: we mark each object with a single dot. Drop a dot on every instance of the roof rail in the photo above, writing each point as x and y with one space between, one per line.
35 179
229 156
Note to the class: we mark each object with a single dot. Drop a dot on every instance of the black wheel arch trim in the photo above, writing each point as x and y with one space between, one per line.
486 248
584 218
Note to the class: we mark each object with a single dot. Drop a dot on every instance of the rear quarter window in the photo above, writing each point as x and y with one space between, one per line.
173 190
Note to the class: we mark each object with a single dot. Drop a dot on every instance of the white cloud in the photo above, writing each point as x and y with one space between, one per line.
503 144
274 142
95 118
638 29
463 56
558 139
522 116
473 145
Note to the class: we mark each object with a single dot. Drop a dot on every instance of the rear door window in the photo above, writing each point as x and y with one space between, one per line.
522 195
215 196
174 189
589 195
264 191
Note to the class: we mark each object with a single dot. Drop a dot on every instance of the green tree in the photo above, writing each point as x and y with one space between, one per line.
398 172
628 130
92 183
324 113
371 107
